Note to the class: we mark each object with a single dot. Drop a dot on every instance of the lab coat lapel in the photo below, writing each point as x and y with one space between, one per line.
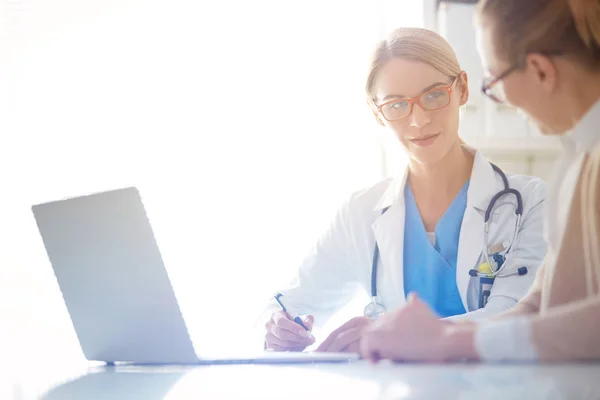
482 187
389 234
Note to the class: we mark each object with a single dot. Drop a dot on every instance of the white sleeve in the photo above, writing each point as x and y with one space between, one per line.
327 278
505 339
495 305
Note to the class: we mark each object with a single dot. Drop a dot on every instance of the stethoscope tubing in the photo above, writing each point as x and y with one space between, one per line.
488 212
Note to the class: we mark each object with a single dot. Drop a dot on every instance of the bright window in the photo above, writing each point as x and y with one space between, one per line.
243 123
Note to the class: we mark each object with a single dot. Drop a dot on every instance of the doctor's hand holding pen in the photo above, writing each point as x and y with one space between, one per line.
286 332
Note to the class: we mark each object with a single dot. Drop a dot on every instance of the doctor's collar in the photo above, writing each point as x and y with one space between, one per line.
483 186
393 193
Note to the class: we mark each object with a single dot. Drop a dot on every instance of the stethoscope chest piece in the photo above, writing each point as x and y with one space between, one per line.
374 309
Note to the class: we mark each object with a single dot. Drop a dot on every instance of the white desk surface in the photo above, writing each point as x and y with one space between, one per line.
357 380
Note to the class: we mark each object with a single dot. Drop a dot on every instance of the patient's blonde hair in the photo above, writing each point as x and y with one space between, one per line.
590 199
415 44
565 26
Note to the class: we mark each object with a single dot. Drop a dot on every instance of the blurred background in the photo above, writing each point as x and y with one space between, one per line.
243 123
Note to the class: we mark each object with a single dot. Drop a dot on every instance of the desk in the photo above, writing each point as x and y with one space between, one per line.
357 380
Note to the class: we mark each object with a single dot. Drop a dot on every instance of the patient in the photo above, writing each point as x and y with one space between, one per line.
543 57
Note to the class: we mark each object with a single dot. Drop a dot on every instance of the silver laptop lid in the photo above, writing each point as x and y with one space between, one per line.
112 278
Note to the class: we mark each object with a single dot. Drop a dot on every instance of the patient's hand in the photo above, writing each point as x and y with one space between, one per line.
346 338
411 333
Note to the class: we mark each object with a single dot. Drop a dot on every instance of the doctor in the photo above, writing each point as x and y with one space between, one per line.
422 231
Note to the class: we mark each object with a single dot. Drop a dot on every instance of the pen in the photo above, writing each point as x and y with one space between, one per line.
296 319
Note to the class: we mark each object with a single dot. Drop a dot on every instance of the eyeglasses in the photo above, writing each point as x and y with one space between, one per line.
494 87
434 99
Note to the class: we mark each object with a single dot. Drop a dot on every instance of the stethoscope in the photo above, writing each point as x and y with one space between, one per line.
375 308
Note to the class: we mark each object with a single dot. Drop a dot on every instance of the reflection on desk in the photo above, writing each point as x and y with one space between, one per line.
357 381
115 385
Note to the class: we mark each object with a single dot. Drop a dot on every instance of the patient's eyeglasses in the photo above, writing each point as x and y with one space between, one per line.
493 87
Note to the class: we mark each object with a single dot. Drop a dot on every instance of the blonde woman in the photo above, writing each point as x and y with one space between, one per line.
542 56
422 231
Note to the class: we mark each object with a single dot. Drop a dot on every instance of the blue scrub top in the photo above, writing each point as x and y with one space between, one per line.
430 270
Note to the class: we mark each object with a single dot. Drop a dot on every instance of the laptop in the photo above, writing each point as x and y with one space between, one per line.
116 288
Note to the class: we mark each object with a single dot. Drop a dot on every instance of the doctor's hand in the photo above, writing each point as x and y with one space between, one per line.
415 333
347 337
283 334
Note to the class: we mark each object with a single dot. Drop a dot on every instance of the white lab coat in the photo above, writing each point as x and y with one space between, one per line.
340 263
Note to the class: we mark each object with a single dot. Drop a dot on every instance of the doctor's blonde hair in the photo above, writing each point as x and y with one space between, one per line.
415 44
